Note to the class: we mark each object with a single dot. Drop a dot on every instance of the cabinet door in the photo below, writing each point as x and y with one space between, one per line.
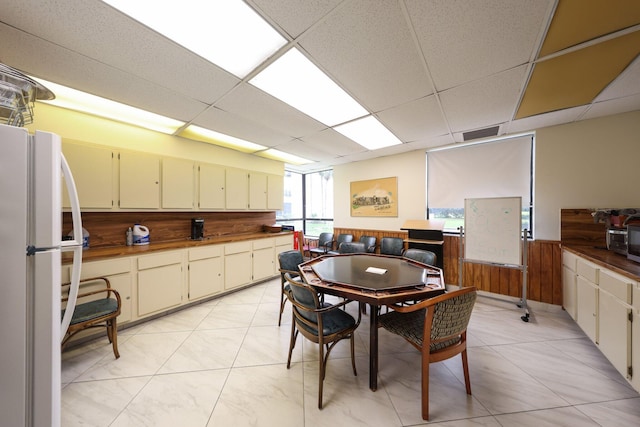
212 187
92 169
177 184
237 194
586 304
275 192
257 191
205 277
263 266
139 180
237 269
635 338
569 291
159 288
614 326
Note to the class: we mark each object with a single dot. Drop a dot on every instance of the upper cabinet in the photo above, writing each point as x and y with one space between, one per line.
177 184
212 187
237 194
92 169
109 179
139 180
257 191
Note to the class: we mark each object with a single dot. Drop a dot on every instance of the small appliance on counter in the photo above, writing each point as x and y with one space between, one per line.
633 242
617 240
197 228
140 235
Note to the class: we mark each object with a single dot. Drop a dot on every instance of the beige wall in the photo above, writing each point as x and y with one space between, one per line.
589 164
410 168
87 128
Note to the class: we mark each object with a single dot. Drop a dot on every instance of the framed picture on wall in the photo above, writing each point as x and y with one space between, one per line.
375 197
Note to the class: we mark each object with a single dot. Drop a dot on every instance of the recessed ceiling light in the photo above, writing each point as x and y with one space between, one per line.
206 135
274 154
86 103
295 80
228 33
369 133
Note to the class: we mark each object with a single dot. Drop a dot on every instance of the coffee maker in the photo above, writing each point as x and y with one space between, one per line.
197 228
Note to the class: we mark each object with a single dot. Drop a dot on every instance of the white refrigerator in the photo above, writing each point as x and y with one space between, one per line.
31 171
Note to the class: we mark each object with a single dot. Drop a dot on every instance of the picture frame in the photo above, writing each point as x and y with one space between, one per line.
374 197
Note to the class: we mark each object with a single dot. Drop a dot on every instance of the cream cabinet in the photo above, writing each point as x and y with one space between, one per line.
263 259
587 297
119 273
237 264
257 191
177 183
160 282
635 338
206 271
211 187
237 194
275 192
569 283
614 318
92 169
139 180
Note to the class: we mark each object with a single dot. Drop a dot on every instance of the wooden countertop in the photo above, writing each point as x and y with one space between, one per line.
608 259
99 253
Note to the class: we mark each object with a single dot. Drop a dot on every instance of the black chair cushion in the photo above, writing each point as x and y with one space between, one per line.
93 310
333 321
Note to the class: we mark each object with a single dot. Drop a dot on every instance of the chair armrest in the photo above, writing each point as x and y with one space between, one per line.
107 288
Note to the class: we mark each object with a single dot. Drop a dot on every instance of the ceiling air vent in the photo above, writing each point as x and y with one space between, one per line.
481 133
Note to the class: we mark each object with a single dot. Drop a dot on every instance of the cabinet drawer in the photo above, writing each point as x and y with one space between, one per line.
159 260
105 268
236 248
284 240
587 270
262 244
569 260
616 285
205 252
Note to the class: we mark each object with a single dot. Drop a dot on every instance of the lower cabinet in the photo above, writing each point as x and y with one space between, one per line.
587 307
206 271
159 282
263 256
569 297
237 264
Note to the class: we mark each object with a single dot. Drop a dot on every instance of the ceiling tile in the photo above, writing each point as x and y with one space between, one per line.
253 104
368 49
613 106
485 102
545 120
295 16
415 120
232 125
628 83
462 43
334 143
306 150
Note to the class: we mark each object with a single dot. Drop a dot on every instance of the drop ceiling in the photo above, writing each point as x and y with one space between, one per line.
429 70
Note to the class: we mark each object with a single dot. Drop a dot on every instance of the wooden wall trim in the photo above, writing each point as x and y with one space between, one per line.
544 280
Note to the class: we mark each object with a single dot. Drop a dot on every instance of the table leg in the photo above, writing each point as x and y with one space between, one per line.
373 348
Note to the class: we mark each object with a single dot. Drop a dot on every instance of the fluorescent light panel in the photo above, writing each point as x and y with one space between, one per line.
295 80
86 103
217 138
369 133
226 32
274 154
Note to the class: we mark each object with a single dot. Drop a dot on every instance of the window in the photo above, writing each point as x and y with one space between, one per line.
497 168
308 202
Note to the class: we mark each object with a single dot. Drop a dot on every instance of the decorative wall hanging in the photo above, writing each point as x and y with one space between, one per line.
375 197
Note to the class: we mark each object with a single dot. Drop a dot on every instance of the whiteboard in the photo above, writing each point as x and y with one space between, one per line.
492 230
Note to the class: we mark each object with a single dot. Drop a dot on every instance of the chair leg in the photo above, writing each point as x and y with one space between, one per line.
283 301
292 341
353 353
321 374
112 333
425 384
465 368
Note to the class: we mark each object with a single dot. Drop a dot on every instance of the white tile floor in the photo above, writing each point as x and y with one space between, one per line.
223 363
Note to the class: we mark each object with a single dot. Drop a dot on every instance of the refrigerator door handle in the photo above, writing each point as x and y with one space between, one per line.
75 245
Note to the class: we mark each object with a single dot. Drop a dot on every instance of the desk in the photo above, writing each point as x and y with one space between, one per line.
347 276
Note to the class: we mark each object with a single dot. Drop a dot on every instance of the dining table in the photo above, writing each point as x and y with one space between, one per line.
376 280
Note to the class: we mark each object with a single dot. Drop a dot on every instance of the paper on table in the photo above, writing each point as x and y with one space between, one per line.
376 270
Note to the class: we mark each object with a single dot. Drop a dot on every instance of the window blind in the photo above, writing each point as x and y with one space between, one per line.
500 168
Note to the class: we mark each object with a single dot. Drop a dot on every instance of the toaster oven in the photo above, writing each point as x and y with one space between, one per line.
617 240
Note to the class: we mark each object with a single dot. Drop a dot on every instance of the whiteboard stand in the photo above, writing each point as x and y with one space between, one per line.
522 267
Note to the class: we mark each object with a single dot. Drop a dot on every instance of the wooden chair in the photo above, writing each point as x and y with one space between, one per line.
98 306
321 323
437 327
289 262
